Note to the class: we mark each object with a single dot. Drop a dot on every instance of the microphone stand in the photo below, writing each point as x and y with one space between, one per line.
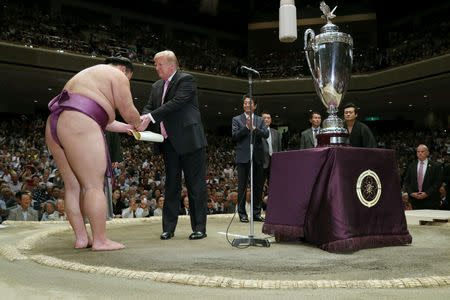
251 240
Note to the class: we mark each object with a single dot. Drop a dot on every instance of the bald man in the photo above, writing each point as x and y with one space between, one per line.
74 135
422 181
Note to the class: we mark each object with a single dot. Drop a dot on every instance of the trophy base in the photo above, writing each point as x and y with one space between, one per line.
332 139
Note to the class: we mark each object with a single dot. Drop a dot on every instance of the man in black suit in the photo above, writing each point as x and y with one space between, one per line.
308 138
173 110
422 181
116 156
271 144
241 135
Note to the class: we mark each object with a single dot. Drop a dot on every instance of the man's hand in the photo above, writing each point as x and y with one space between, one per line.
421 195
145 120
248 123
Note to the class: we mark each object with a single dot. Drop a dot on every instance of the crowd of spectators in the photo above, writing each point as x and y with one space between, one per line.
139 41
30 181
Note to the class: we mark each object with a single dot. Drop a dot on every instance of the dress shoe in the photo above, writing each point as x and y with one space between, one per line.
258 219
167 235
243 219
197 235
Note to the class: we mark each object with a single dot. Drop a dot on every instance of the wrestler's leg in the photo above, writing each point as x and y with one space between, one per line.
72 198
84 147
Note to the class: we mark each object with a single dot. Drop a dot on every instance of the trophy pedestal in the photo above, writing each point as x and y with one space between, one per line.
332 139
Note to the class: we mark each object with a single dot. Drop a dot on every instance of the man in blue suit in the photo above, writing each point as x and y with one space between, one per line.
241 136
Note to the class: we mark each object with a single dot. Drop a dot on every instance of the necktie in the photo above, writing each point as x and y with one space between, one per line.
420 177
134 214
163 129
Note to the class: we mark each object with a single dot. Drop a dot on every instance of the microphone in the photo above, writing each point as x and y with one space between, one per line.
288 21
249 70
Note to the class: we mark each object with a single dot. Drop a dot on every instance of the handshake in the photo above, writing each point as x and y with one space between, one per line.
145 120
141 135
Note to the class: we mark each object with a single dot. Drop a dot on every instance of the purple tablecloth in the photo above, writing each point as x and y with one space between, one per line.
312 194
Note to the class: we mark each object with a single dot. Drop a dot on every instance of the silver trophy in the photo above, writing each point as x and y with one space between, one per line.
330 57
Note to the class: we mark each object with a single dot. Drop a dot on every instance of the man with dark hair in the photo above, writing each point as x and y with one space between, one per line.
360 133
74 135
241 136
308 138
173 110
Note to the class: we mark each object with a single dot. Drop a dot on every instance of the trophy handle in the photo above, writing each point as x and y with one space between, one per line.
310 46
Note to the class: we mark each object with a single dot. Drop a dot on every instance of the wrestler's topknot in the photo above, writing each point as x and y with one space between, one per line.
120 61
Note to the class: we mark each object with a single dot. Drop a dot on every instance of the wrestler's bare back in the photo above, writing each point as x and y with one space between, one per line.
98 83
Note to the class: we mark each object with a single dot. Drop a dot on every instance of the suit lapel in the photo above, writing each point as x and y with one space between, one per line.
243 119
311 136
171 83
427 172
272 136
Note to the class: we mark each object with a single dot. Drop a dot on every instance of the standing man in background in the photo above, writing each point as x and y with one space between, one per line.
271 144
309 136
360 133
173 111
241 136
422 181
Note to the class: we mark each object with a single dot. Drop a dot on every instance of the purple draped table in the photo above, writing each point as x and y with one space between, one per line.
337 198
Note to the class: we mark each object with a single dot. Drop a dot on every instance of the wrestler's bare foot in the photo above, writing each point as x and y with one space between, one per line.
107 245
83 243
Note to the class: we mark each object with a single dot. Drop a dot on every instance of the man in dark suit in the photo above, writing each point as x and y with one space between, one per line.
423 179
116 156
308 138
271 144
173 110
241 136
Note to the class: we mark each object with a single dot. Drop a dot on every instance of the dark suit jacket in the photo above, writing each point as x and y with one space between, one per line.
307 139
113 142
179 113
432 180
241 135
276 146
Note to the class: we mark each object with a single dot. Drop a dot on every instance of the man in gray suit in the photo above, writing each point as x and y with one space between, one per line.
23 212
241 136
308 138
271 144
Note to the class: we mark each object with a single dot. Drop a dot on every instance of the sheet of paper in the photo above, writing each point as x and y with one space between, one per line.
148 136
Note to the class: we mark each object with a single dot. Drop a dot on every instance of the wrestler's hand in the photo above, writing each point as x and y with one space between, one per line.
145 120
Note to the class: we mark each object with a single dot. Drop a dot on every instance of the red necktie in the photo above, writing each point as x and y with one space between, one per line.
420 177
163 129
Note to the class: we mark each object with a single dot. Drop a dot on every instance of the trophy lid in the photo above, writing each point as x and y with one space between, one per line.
329 27
330 32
